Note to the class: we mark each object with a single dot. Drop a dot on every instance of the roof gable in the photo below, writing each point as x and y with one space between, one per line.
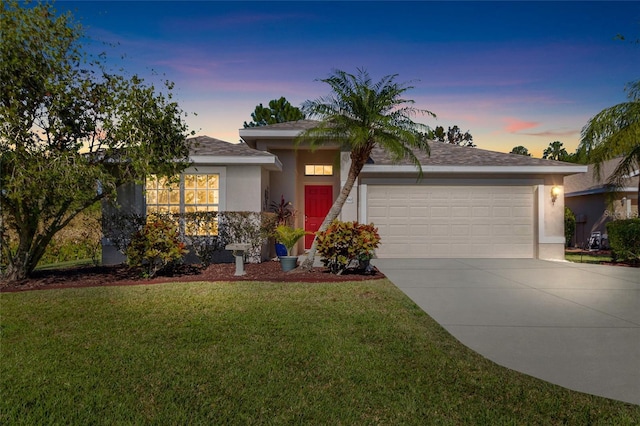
587 183
443 157
208 150
205 145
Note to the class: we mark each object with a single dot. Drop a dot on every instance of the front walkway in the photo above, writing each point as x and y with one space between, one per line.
575 325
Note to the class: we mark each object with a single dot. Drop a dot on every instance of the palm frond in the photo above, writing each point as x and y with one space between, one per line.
613 132
628 165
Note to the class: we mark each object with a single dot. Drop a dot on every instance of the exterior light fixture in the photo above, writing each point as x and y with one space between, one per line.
555 191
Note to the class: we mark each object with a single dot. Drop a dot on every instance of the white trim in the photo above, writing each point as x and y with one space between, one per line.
222 186
600 190
373 168
542 237
467 181
271 162
269 133
362 198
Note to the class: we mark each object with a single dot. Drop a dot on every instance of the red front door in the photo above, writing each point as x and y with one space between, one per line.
317 202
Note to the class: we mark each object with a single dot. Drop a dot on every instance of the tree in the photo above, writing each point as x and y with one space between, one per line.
453 136
358 115
520 150
71 131
615 132
555 151
279 111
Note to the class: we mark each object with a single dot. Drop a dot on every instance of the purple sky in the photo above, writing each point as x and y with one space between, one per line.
512 73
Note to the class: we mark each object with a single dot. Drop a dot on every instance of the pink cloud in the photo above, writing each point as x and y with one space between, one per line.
555 133
515 125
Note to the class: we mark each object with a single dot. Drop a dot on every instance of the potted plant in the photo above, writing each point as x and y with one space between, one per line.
284 215
289 236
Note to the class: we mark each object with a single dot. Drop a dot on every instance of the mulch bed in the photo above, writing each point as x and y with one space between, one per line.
102 276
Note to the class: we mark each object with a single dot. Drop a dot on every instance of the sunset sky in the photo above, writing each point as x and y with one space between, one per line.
512 73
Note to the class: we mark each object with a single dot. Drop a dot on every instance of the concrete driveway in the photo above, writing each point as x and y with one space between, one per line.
575 325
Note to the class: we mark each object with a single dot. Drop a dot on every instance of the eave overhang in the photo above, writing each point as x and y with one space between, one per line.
270 162
460 169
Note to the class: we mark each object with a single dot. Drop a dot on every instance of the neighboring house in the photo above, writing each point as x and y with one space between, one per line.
469 203
594 203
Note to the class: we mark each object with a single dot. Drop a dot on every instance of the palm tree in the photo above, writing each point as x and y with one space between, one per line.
615 132
555 151
357 115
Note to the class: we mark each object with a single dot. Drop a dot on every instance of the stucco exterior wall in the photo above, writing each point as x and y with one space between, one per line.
244 188
284 183
550 227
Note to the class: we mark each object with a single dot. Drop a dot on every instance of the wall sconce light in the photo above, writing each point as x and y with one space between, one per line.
555 191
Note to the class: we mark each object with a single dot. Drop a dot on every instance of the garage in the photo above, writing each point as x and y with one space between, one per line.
453 221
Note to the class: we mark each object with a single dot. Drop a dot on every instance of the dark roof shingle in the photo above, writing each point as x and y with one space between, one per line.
445 154
205 145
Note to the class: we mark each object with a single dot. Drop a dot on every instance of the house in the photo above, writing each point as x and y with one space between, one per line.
223 177
594 203
468 203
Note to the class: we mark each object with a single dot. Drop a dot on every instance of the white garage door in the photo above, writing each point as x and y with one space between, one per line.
452 221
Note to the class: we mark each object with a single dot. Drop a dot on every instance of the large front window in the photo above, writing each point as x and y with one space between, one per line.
162 195
201 193
188 193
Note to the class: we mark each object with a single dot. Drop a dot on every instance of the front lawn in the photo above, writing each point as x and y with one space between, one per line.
580 256
259 353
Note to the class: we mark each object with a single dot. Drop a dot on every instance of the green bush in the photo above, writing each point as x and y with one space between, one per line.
569 226
344 244
206 233
624 239
155 247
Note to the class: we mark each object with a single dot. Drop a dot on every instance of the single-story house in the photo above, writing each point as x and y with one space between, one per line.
594 203
468 203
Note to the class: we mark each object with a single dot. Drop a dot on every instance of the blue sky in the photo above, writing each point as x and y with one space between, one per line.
512 73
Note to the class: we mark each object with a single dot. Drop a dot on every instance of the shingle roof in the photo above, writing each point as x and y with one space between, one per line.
587 182
442 154
205 145
445 154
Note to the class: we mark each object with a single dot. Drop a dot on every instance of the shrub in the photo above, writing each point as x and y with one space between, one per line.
155 247
251 228
284 211
624 239
206 233
119 227
569 226
347 243
199 231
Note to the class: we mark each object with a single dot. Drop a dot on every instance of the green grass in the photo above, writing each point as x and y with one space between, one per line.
259 353
586 257
67 264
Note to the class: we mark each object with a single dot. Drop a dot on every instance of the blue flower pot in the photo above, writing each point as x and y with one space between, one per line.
281 250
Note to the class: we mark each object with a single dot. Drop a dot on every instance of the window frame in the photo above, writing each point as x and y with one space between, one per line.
220 171
324 168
